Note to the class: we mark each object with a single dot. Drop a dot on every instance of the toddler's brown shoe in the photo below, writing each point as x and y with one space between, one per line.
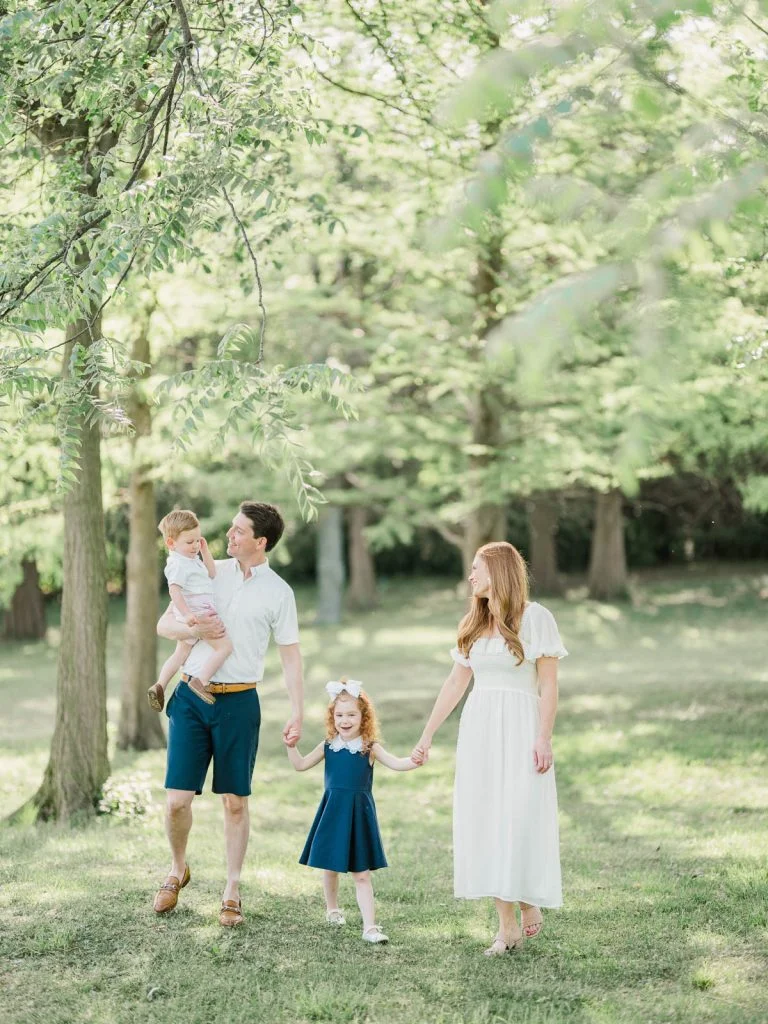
156 697
200 691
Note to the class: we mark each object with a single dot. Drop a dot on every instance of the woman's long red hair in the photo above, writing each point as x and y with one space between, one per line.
503 609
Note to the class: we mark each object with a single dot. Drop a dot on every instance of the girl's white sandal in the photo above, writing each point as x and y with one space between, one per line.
374 934
335 917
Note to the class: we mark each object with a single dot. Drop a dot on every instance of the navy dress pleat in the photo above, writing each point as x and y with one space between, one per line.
345 833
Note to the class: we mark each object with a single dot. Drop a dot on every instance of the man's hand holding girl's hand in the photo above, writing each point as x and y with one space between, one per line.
292 731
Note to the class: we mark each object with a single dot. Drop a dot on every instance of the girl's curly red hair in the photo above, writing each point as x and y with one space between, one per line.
369 725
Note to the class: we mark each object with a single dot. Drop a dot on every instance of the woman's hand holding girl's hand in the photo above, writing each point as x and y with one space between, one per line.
542 755
420 753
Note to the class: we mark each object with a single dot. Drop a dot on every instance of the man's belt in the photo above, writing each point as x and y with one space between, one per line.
223 687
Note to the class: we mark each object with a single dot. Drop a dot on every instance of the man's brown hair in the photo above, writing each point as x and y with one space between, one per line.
266 521
177 522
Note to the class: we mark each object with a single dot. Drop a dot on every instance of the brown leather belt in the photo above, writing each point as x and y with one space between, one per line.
223 687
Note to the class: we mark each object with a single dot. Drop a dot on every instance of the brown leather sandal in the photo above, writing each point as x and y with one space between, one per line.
231 913
156 697
167 896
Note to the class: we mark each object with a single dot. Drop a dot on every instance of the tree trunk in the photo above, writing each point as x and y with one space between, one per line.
608 579
487 521
542 522
330 564
140 727
78 765
25 619
361 593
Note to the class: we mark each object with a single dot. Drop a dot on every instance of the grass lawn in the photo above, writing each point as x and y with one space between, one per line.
663 784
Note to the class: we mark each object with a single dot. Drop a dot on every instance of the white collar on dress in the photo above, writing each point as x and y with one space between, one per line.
354 746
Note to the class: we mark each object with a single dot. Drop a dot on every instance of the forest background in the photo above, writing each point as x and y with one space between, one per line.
424 275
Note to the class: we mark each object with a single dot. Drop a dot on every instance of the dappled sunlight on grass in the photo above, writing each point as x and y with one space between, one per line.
663 781
691 595
420 636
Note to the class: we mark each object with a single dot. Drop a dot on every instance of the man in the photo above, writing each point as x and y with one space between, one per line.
253 602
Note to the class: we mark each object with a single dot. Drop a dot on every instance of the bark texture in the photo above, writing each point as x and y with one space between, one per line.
140 727
542 523
361 592
608 577
488 520
330 564
78 765
25 618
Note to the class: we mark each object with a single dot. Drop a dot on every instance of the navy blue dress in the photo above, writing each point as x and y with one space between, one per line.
345 833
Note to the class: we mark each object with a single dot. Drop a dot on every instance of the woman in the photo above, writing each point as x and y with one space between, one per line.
505 832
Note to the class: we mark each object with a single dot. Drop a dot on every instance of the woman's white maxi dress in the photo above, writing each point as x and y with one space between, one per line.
505 832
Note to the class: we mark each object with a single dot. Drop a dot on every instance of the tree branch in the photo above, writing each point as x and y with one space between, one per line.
255 262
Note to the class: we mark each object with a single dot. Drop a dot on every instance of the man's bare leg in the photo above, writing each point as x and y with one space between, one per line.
237 824
178 822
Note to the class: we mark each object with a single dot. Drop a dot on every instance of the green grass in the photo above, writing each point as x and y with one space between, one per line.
663 785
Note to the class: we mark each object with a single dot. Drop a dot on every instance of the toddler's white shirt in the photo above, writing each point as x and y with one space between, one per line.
188 573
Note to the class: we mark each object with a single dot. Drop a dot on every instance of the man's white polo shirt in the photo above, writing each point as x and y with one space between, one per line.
251 609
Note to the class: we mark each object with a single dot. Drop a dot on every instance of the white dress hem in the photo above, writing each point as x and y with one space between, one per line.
545 904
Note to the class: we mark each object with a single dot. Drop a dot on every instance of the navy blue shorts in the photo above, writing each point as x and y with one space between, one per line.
226 732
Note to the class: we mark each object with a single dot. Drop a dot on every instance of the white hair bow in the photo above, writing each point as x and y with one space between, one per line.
352 686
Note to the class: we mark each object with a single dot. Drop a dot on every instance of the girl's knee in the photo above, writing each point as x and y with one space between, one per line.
361 877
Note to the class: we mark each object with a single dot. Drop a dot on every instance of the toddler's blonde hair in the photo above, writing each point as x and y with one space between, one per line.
177 522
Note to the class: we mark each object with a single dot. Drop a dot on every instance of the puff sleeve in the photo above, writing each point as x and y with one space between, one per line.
459 658
541 637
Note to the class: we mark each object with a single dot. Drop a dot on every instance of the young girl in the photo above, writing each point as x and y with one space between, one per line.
345 833
191 590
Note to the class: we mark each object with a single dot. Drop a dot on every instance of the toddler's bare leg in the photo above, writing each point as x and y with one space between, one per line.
222 648
156 693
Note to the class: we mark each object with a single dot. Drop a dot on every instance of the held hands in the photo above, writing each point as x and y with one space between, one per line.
420 753
292 731
542 755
